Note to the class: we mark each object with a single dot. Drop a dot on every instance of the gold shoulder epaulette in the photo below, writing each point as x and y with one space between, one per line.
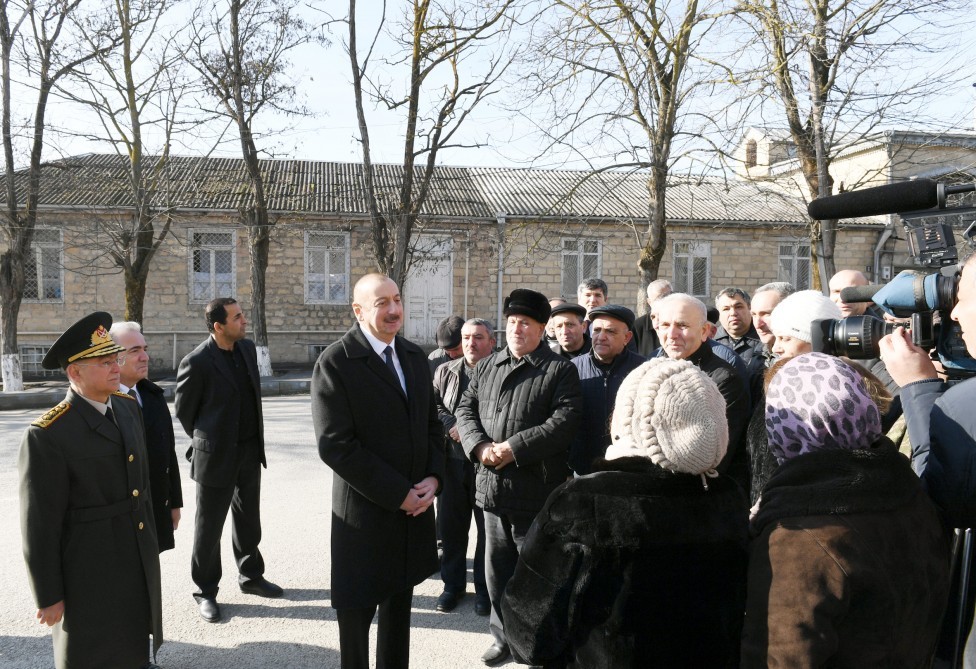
52 415
127 396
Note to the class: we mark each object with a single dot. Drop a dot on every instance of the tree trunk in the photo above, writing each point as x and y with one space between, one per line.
11 291
655 245
258 246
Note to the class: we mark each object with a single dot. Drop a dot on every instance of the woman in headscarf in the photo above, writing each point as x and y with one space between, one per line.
849 564
642 562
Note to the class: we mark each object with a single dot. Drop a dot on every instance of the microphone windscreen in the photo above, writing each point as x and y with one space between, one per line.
890 199
860 293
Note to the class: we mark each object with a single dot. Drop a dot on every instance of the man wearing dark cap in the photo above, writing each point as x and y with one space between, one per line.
449 341
601 372
218 403
516 419
86 515
569 324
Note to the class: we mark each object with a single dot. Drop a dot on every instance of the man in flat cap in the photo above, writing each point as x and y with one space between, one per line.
601 372
448 342
568 322
86 514
516 419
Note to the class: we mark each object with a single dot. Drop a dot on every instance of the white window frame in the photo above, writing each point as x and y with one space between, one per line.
36 248
193 248
792 256
579 252
329 270
690 248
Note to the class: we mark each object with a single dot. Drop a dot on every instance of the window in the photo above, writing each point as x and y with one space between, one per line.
43 269
31 356
212 265
751 153
581 260
326 268
692 268
794 264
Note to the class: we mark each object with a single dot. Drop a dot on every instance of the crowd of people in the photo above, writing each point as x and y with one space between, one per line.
690 487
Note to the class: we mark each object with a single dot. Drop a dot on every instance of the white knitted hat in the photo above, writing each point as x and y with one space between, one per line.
794 315
671 412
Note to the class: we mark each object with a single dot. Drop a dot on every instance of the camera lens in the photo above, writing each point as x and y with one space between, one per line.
856 337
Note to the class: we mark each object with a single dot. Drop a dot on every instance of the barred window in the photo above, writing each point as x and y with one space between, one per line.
212 265
794 264
31 356
44 268
692 268
582 259
326 268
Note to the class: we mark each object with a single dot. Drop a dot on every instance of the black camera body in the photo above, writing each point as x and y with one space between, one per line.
927 299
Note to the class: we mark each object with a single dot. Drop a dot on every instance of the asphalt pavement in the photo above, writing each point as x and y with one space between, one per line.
298 631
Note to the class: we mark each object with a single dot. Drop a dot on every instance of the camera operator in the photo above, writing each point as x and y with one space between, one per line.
941 420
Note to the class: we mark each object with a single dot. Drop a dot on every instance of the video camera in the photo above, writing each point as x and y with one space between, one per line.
927 299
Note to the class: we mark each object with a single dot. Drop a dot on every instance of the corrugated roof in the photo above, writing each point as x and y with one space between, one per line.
312 187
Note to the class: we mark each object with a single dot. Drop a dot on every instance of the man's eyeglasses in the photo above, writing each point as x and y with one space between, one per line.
106 364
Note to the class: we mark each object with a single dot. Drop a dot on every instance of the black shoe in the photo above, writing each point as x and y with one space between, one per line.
482 605
496 654
448 601
209 610
261 587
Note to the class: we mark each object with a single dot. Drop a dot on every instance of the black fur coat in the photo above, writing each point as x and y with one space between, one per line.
632 566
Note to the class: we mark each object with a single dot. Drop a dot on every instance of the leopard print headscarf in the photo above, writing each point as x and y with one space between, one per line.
818 402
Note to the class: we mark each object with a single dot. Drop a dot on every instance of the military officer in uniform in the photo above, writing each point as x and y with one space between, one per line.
86 515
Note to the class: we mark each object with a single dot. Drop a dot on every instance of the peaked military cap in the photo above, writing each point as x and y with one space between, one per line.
88 338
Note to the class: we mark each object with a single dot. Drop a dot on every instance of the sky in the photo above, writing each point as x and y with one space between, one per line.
330 132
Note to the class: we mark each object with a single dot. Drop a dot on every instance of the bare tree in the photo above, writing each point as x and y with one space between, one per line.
137 102
616 78
840 70
436 40
33 37
241 51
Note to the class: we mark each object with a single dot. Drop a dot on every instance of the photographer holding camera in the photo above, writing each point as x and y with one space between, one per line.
940 418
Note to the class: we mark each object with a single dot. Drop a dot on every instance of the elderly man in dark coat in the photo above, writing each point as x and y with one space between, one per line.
86 514
517 419
377 428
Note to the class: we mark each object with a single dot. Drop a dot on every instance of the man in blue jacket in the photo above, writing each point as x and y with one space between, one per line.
601 372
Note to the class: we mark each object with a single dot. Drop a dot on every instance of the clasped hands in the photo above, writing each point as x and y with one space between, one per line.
420 497
494 455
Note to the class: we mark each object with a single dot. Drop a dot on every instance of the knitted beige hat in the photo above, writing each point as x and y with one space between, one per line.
671 412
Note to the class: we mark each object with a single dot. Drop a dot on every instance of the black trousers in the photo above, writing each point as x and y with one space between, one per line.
455 506
392 633
243 499
505 534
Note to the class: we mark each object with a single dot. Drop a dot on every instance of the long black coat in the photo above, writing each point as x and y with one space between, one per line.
378 444
88 534
632 566
209 407
164 468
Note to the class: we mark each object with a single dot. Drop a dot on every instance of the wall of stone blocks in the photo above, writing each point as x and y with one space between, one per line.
531 258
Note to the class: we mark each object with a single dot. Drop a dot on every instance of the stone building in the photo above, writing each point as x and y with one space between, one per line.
483 232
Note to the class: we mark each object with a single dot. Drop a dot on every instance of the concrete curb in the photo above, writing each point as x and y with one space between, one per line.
48 395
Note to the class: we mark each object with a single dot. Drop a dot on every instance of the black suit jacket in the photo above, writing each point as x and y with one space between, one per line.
164 468
379 443
208 406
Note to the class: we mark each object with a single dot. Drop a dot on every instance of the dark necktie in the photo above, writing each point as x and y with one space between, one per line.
134 394
110 415
388 356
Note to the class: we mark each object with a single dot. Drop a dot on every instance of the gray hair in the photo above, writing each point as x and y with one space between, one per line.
483 323
122 327
659 288
783 288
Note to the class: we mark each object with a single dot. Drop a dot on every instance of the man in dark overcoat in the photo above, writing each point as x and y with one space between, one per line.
164 468
88 535
377 428
218 402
